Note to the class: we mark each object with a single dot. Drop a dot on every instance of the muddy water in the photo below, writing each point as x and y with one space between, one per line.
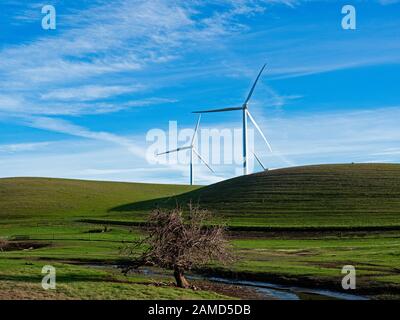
283 292
277 291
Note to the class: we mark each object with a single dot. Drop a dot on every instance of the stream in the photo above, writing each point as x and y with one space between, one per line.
275 291
285 292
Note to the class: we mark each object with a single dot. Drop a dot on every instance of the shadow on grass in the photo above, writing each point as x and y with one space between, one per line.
165 202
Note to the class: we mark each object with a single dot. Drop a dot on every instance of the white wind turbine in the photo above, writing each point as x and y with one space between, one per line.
246 113
192 151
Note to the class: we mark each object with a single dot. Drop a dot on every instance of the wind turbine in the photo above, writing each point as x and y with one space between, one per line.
192 152
246 114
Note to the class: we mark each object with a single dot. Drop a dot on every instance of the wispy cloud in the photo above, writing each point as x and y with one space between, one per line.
357 136
23 147
66 127
87 93
107 39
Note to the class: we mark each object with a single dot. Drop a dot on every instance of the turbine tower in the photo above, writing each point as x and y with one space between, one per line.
193 151
245 114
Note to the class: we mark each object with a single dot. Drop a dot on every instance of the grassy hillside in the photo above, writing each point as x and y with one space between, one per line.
322 195
348 195
358 194
42 197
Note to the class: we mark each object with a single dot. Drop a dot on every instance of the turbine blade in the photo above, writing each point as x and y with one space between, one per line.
204 161
219 110
259 130
175 150
195 130
254 85
259 161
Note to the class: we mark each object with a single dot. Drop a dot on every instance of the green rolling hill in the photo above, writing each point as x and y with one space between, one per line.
350 195
341 194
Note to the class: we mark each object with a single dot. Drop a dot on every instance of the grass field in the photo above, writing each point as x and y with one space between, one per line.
308 223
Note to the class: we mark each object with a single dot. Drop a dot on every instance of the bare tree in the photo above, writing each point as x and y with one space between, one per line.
180 243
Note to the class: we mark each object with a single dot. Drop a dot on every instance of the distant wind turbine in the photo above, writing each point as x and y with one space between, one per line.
246 113
192 151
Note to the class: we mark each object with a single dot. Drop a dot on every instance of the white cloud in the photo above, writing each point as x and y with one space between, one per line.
66 127
87 93
357 136
23 147
106 41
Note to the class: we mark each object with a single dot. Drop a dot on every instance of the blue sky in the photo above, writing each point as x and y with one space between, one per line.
78 101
